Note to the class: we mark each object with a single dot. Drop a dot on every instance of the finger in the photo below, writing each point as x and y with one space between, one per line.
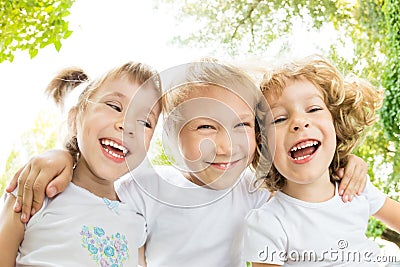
357 181
21 183
359 178
348 174
364 180
28 194
39 188
13 183
59 183
363 184
343 182
351 188
340 173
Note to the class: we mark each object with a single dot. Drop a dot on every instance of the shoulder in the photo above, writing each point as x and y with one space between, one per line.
271 210
247 186
374 196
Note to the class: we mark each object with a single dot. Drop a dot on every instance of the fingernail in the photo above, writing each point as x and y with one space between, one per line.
346 198
23 217
341 192
351 198
17 205
33 211
52 192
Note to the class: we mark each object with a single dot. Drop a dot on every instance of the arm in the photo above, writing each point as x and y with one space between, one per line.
142 257
47 173
354 178
11 233
389 214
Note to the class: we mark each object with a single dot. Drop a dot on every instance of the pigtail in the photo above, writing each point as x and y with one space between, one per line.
59 89
63 83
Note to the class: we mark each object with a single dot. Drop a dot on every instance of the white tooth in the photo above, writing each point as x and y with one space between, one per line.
106 142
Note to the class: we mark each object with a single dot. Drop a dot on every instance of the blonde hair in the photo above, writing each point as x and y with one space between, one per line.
351 101
68 79
209 73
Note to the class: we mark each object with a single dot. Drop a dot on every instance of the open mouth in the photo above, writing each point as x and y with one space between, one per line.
304 149
113 148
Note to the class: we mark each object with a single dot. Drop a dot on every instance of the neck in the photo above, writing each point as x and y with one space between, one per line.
85 178
192 178
318 191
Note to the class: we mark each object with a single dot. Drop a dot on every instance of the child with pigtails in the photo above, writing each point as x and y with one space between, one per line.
88 225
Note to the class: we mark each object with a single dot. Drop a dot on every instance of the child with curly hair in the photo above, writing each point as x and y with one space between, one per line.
318 118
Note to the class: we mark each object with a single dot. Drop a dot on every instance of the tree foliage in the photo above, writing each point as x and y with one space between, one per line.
40 138
32 25
391 75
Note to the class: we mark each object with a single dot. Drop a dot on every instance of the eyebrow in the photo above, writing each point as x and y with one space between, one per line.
246 116
115 93
276 105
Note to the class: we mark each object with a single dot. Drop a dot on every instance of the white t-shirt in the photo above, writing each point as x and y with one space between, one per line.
190 225
77 228
331 232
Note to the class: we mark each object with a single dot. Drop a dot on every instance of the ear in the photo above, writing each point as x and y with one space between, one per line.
72 119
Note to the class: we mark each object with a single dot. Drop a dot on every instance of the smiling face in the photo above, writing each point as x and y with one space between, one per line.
305 140
116 126
217 136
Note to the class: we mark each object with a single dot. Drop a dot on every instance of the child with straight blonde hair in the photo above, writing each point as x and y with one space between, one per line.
318 117
88 225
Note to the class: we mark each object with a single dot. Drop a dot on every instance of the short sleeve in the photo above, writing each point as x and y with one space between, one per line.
265 240
375 198
141 229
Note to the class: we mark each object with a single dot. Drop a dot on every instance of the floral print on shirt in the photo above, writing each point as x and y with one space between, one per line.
107 251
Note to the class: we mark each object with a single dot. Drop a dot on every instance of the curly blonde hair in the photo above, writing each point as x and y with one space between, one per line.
352 102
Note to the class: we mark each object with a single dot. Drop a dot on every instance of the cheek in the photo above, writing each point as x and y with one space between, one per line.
189 146
252 146
148 135
271 141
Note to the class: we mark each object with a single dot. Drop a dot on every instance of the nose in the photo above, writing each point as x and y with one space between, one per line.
126 128
223 143
299 123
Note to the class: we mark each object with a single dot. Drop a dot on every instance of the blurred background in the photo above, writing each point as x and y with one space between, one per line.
40 37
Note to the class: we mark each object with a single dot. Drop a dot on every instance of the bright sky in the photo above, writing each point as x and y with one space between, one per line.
105 34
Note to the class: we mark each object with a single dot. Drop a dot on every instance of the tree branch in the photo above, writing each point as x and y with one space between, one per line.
392 236
248 16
